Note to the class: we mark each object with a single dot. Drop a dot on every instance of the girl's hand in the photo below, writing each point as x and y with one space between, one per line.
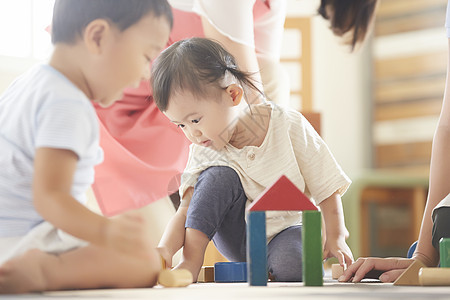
165 254
127 233
337 247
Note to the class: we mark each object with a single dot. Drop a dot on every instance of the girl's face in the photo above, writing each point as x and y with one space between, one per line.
208 122
126 56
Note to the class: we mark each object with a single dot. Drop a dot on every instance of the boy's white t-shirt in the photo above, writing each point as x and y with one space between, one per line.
42 108
291 148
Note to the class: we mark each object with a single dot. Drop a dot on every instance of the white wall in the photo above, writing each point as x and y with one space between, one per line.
341 91
11 67
341 87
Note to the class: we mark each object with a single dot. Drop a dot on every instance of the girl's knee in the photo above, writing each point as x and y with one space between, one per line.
219 183
220 175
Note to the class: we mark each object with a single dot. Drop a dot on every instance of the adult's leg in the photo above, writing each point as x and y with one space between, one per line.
217 212
284 255
441 225
82 268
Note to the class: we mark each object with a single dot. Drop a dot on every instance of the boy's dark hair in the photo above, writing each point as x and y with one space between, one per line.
197 65
70 17
349 16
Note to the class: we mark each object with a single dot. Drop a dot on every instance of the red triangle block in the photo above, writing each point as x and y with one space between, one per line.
282 195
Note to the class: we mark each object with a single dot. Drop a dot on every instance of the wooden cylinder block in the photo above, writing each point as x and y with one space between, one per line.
434 276
175 278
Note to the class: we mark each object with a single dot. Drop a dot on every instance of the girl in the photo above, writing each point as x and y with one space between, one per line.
238 150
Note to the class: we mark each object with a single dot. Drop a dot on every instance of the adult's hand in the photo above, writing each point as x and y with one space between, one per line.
391 267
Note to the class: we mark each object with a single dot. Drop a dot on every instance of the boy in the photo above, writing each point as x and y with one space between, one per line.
49 141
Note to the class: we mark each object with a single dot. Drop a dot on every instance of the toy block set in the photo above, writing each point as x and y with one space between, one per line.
284 195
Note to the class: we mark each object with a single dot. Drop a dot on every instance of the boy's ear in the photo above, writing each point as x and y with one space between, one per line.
235 92
95 35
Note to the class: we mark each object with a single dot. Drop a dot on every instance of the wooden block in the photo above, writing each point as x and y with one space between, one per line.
336 271
312 248
434 276
444 252
175 278
256 249
411 275
230 271
206 274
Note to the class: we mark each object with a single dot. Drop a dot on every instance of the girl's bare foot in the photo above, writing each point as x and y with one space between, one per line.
25 273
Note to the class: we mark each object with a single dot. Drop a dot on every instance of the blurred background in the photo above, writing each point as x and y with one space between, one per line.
378 105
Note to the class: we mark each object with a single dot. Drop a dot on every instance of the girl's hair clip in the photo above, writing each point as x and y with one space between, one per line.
227 80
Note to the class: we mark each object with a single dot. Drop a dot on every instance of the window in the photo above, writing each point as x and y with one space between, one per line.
23 26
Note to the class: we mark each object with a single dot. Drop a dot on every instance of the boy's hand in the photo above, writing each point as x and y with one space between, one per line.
337 247
127 233
164 252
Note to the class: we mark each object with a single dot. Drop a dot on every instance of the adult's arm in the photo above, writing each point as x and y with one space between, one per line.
439 179
438 189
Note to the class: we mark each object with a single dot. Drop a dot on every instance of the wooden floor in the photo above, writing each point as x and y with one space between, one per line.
236 291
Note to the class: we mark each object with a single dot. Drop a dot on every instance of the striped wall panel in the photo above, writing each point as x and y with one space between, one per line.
409 68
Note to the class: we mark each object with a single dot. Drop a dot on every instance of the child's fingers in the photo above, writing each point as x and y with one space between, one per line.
348 257
169 263
340 256
326 254
348 260
165 257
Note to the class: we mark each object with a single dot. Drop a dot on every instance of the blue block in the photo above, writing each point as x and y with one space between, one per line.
230 272
411 250
256 248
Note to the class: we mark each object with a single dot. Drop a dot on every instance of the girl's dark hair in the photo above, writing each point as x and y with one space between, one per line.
70 17
349 16
194 65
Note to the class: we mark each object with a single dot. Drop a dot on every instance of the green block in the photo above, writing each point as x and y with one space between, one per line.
444 250
312 248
